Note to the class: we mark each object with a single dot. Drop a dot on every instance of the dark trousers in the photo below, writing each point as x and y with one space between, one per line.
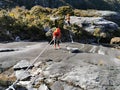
56 41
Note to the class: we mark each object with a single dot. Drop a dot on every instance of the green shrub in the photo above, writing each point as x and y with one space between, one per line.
86 13
36 10
35 33
116 33
61 11
77 32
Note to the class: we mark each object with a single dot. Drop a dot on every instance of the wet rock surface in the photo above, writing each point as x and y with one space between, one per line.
95 68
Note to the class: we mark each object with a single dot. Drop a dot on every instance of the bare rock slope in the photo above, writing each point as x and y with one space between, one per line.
94 67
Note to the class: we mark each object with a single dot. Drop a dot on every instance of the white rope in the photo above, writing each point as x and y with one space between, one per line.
71 37
12 86
70 32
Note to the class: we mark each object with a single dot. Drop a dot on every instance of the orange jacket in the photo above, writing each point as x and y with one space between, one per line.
57 33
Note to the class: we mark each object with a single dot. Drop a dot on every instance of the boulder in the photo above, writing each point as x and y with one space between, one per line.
91 23
73 50
109 14
23 64
57 86
22 75
43 87
115 40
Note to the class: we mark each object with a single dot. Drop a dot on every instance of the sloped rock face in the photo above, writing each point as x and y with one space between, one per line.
91 23
80 75
23 64
109 14
95 68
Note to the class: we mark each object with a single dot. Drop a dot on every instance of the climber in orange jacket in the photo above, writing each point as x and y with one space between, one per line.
56 37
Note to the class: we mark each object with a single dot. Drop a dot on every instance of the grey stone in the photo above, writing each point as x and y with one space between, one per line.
97 68
2 88
30 87
22 75
68 87
57 86
90 23
23 64
112 14
115 40
73 50
43 87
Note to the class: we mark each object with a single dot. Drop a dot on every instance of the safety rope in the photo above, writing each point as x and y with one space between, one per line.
34 60
71 37
70 32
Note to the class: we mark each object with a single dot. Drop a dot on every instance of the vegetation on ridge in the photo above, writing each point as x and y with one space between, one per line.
30 24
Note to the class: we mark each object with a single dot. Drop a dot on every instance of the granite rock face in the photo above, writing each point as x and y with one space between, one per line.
95 68
23 64
91 23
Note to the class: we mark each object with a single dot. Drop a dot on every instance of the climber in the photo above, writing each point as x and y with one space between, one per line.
67 22
67 18
56 37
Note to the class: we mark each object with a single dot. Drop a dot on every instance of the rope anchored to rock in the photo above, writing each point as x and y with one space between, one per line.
12 86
